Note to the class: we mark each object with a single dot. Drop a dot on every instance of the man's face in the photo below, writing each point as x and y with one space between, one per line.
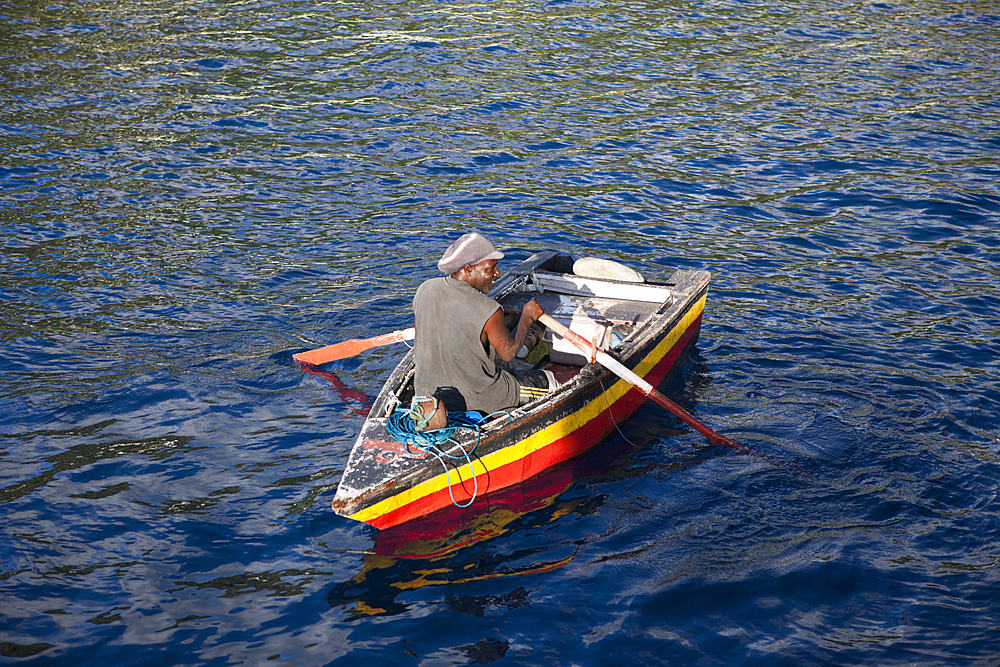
482 275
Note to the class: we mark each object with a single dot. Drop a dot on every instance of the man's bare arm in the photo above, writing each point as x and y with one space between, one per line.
496 334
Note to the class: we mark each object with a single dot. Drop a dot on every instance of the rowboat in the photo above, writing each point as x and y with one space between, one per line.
646 326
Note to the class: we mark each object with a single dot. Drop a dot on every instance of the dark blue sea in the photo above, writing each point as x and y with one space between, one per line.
191 190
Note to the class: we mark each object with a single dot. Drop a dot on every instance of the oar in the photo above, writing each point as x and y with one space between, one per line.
624 373
350 348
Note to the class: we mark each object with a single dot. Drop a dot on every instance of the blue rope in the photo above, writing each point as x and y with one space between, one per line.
402 426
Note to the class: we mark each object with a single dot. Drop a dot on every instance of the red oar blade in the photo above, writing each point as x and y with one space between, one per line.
350 348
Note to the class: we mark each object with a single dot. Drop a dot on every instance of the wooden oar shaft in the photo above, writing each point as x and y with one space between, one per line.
350 348
635 380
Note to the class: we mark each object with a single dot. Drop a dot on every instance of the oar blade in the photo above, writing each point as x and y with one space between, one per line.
348 348
351 348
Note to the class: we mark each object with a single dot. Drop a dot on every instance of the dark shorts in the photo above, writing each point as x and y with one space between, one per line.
530 385
533 384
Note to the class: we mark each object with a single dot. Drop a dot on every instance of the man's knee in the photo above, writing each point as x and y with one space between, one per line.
429 414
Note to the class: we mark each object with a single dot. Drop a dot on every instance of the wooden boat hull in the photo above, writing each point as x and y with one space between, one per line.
387 483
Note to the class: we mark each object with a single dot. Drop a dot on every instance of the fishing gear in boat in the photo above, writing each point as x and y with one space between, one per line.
409 426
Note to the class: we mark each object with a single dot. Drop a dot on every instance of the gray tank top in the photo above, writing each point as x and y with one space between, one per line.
451 364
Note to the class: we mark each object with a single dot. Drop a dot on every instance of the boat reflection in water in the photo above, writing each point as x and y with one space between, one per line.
457 546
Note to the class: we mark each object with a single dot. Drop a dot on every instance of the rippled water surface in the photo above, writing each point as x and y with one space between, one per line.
190 190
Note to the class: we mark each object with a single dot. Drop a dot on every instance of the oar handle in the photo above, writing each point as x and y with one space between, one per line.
635 380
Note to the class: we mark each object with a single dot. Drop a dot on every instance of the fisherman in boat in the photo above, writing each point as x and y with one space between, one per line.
460 331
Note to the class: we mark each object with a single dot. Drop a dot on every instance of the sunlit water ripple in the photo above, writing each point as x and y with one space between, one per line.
191 190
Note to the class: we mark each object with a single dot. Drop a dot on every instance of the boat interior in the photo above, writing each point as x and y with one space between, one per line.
605 302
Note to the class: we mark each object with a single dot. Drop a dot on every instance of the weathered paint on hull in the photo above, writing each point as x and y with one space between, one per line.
561 440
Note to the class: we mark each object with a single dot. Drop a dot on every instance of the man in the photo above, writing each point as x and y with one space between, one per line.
459 333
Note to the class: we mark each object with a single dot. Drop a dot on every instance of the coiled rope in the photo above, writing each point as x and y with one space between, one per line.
404 426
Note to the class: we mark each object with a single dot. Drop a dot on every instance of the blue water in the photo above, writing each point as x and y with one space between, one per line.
188 191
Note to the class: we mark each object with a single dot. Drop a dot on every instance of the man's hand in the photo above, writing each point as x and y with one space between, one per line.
533 311
496 334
